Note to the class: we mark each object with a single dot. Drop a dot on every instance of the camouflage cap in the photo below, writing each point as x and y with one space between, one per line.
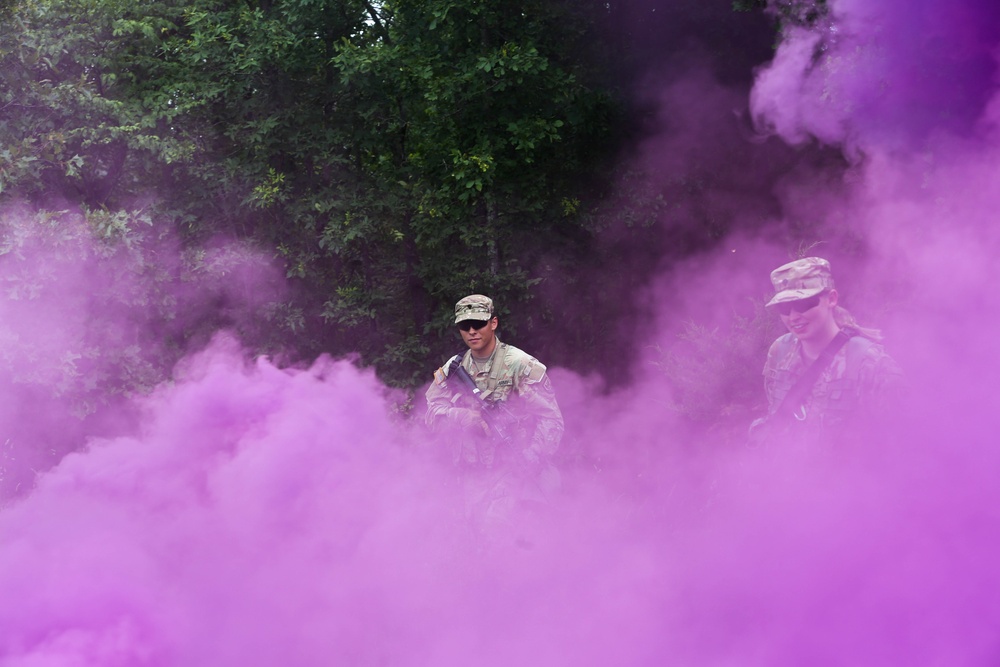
800 279
474 307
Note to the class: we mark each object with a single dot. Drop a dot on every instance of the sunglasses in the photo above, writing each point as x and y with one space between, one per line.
800 306
467 325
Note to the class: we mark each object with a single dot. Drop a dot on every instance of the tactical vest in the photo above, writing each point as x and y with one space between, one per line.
495 388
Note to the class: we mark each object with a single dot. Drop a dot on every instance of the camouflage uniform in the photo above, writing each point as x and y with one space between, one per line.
498 476
520 382
853 386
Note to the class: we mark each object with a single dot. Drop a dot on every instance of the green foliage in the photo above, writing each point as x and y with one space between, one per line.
470 140
395 156
73 119
95 270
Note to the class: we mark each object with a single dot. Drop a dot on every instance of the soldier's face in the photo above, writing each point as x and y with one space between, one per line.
811 318
482 340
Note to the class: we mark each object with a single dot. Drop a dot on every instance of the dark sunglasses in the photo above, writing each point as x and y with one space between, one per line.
800 306
467 325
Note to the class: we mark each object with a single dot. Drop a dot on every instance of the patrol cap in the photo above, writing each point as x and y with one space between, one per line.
474 307
800 279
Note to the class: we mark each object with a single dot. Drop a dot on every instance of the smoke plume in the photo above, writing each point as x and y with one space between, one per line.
251 514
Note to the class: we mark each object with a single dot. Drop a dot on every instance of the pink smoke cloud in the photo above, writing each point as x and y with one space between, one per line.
266 514
261 515
887 73
95 307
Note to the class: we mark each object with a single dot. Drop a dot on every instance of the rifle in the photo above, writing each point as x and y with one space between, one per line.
497 416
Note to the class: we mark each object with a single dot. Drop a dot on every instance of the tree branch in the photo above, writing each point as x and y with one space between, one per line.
377 20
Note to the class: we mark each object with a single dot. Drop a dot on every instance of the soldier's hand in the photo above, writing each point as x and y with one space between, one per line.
469 418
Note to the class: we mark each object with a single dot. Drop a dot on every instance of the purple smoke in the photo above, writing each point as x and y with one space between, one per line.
261 515
888 73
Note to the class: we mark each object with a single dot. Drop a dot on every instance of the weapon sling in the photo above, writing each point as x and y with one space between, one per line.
489 411
796 396
495 368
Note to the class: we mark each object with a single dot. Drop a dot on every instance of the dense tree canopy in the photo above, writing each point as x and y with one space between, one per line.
330 176
391 157
394 154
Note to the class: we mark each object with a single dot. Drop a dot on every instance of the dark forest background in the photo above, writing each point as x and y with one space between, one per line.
384 159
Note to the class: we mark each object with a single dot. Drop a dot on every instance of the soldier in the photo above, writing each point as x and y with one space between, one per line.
508 460
827 373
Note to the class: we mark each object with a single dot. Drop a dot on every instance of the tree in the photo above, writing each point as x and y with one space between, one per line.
483 124
394 154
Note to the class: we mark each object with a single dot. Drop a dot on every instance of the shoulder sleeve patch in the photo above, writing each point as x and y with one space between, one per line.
534 371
